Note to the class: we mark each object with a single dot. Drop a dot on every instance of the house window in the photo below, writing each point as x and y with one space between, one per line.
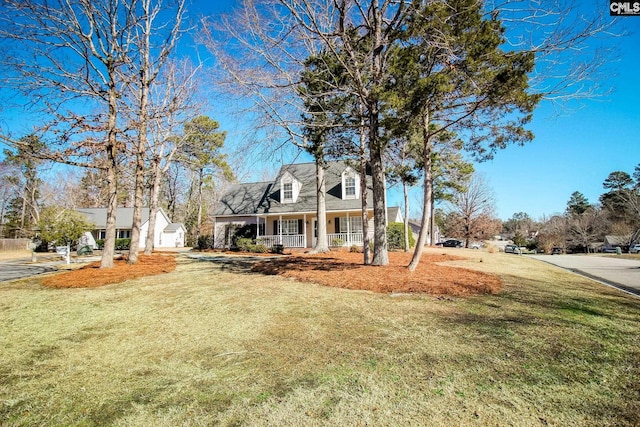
355 224
350 187
287 192
124 234
102 234
350 184
290 226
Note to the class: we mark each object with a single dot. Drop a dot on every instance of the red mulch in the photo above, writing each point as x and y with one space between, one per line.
338 269
91 275
345 270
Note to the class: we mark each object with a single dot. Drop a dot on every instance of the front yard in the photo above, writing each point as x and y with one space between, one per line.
208 345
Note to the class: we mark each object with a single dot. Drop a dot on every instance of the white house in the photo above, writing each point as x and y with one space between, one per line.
283 211
167 234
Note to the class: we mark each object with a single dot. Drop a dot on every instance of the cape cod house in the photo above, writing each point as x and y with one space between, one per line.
284 210
167 234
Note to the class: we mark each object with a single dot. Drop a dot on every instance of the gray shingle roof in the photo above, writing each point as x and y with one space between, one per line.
124 216
261 198
173 227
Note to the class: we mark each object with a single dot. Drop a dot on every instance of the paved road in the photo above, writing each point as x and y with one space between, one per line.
619 272
11 271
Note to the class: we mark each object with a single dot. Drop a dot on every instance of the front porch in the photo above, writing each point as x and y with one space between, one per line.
300 240
295 231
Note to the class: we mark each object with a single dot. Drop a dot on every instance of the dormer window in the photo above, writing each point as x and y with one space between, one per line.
350 184
350 187
287 192
289 188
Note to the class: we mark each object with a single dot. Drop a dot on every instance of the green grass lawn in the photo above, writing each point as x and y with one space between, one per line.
206 346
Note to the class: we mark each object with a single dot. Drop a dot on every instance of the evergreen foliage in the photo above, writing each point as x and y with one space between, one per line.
395 236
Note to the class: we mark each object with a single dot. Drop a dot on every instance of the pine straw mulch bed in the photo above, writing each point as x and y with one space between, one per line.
337 269
345 270
91 275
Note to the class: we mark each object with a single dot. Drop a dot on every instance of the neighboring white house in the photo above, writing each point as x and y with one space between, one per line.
283 211
416 225
167 234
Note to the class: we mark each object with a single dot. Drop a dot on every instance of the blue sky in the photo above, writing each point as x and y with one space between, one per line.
577 151
572 152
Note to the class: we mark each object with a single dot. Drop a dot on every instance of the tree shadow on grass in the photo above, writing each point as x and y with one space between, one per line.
310 263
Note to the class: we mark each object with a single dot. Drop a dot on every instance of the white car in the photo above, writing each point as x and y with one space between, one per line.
634 249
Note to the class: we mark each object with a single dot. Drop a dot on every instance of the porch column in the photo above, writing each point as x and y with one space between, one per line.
280 229
257 227
348 231
304 231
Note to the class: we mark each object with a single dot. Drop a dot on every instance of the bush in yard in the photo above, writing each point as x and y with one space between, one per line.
337 242
41 246
395 236
123 244
244 244
258 249
62 226
277 249
247 231
205 242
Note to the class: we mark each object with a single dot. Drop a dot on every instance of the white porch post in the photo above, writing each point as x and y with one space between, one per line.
257 227
304 231
280 229
348 231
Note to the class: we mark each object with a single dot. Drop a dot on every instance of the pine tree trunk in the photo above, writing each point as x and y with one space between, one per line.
380 248
405 188
322 244
199 215
428 194
364 189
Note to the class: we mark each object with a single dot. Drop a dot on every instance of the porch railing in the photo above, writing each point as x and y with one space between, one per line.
345 239
288 241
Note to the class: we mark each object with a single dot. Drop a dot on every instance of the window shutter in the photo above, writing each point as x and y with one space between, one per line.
300 227
275 227
337 225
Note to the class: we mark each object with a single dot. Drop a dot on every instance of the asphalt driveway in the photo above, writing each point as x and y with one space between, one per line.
11 271
619 272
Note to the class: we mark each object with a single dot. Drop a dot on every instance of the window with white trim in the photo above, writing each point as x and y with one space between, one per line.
287 192
355 224
289 188
123 234
290 226
350 187
350 184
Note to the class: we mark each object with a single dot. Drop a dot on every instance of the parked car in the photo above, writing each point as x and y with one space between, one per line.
635 249
452 243
611 249
556 251
510 249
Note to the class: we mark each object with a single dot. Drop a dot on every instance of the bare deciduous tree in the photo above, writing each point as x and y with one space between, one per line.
158 30
472 206
67 58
